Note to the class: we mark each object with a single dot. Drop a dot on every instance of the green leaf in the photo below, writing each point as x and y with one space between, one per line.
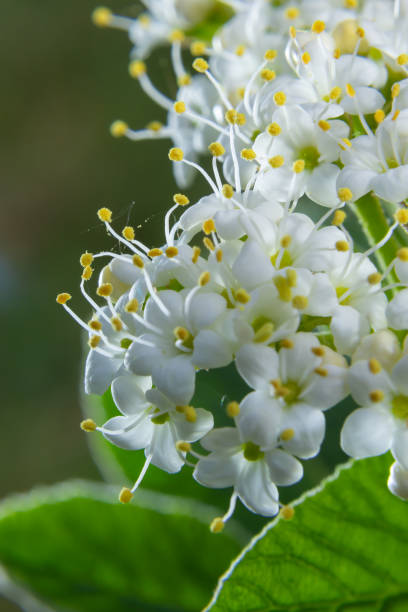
77 548
346 549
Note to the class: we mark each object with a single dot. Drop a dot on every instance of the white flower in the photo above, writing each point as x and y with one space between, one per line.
398 481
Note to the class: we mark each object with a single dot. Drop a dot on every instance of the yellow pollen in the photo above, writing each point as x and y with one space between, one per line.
321 371
144 20
270 54
104 290
154 126
306 57
155 252
88 425
277 161
377 395
395 115
125 495
264 333
279 98
183 447
240 50
94 341
137 68
227 191
300 302
360 32
95 324
181 199
286 343
267 74
86 259
374 278
287 434
176 154
196 254
128 232
138 261
181 333
336 53
204 279
242 296
200 65
217 525
298 166
374 366
176 36
318 351
248 154
402 254
292 32
338 217
208 226
241 119
324 125
395 90
287 512
216 149
190 414
116 324
101 16
171 251
198 48
346 142
231 116
63 298
132 305
350 3
318 26
402 216
345 194
274 129
233 409
335 93
219 255
283 287
350 90
87 273
118 128
208 243
184 79
342 246
291 275
292 12
179 107
402 59
285 241
105 215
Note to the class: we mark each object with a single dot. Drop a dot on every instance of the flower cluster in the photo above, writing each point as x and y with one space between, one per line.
302 100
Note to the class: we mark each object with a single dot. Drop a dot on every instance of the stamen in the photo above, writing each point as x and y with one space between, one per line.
137 70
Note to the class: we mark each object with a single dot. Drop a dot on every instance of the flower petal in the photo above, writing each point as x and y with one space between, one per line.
367 432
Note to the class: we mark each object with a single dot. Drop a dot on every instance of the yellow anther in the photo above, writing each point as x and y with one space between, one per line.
324 125
286 343
287 512
291 276
154 126
181 409
183 80
105 215
118 128
95 324
233 409
321 372
283 287
240 119
200 65
176 154
198 47
335 93
63 298
292 12
132 305
336 53
338 217
274 129
171 251
219 255
196 254
350 3
227 191
128 232
402 254
360 32
87 273
395 90
181 199
204 279
86 259
183 447
208 243
350 90
231 116
138 261
181 333
298 166
374 366
277 161
318 26
217 525
125 495
88 425
264 332
176 36
318 351
306 57
374 278
279 98
285 241
179 107
342 246
267 74
377 395
116 324
347 142
155 252
248 154
102 16
292 32
395 115
240 50
94 341
345 194
402 216
242 296
137 68
287 434
241 92
300 302
216 149
105 290
270 54
190 413
402 59
208 226
144 20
